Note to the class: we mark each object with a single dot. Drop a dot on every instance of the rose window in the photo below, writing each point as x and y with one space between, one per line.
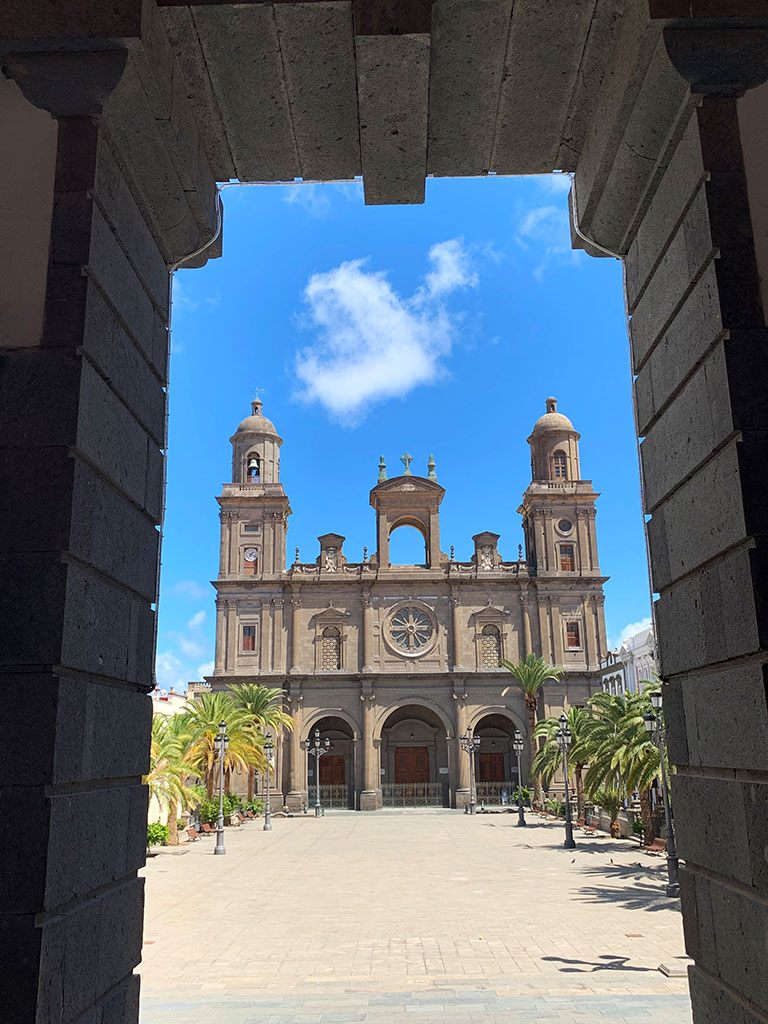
411 629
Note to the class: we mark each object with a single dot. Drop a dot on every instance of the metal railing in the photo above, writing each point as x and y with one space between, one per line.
412 794
333 796
500 794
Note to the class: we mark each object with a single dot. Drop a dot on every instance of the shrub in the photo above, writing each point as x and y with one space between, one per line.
556 807
157 834
515 799
637 828
231 803
257 806
208 811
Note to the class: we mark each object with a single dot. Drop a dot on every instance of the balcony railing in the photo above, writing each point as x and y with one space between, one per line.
412 794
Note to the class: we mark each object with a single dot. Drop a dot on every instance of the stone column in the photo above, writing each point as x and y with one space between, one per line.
582 526
295 641
266 637
223 545
221 634
553 562
83 362
526 622
278 639
235 565
542 562
556 627
367 638
370 798
233 640
268 542
461 757
297 795
456 631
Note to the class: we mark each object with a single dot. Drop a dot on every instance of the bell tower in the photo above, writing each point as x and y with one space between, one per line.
254 508
558 507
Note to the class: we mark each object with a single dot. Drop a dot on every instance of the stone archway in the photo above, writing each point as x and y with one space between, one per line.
414 758
496 777
339 768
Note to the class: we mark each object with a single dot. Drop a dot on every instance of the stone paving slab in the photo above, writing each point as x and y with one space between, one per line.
410 917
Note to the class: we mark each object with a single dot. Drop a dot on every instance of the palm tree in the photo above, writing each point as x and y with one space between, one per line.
531 673
550 756
167 770
202 720
265 706
610 800
640 756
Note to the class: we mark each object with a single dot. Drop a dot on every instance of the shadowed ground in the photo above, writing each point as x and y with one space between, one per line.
377 918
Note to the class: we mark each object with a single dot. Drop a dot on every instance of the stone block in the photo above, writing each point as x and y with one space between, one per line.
123 1005
703 517
726 717
709 616
685 259
709 814
28 523
121 212
154 489
741 928
108 631
20 943
39 398
675 717
125 365
160 349
756 811
695 329
32 608
110 437
712 1004
22 880
33 697
120 935
697 423
689 906
681 181
104 822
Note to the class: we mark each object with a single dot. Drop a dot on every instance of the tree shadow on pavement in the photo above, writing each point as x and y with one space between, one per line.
608 962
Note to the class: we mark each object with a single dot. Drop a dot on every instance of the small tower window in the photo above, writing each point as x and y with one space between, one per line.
249 638
490 646
572 635
250 561
253 469
330 649
559 466
567 559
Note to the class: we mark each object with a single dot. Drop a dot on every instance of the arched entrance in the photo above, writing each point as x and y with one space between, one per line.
337 766
496 777
414 759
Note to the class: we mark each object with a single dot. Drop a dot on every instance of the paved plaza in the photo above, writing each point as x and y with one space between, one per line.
402 917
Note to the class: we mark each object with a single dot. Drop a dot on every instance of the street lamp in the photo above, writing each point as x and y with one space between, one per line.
222 742
564 739
318 750
269 749
654 726
470 743
517 746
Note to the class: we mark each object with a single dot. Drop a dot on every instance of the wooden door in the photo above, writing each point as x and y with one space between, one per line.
411 765
490 767
332 770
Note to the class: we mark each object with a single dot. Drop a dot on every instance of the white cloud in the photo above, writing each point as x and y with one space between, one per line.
170 671
451 269
555 184
181 301
189 588
373 343
191 647
315 197
206 669
546 232
629 630
197 620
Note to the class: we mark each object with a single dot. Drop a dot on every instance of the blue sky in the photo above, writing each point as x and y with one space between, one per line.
440 329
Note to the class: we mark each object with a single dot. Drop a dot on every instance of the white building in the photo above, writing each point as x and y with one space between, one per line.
624 669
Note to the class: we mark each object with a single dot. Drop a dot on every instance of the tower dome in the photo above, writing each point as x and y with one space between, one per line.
554 447
256 423
552 419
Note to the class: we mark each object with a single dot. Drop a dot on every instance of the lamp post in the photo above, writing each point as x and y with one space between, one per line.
654 726
470 743
564 739
318 750
269 749
517 746
222 742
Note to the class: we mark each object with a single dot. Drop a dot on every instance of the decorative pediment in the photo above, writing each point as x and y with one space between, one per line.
489 614
330 615
409 485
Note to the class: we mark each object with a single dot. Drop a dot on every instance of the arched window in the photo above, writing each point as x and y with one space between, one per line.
560 471
330 649
253 469
490 646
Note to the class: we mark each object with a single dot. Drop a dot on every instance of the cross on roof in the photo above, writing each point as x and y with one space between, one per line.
406 460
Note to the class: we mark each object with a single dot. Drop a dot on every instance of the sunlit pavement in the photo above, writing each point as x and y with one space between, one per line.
377 917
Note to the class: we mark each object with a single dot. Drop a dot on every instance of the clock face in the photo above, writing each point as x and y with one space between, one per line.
251 554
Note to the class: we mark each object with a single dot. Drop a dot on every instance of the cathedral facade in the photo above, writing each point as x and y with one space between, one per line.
393 663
